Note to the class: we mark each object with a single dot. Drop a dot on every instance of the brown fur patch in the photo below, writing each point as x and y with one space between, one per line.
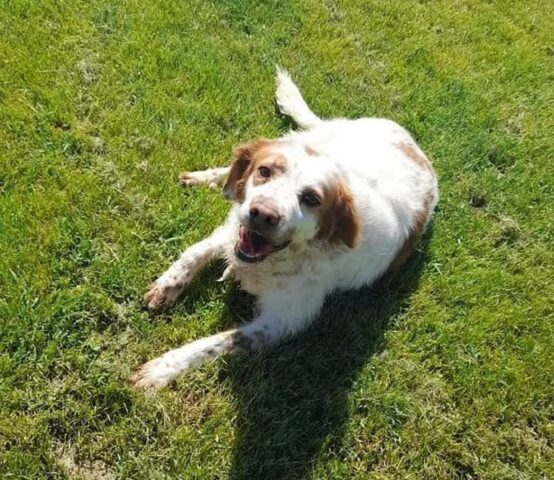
339 221
413 154
416 232
247 160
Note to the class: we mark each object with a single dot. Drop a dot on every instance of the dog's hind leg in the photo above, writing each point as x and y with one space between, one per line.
165 290
290 102
213 177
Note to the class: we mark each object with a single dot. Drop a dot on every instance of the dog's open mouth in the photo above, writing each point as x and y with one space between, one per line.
253 247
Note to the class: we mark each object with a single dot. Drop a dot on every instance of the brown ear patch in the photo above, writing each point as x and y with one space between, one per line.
339 221
240 169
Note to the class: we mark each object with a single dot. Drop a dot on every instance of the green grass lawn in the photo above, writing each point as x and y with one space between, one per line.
447 373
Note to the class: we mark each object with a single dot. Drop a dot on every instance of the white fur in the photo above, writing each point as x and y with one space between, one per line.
389 190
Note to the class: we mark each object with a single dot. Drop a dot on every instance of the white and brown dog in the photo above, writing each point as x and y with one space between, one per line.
333 206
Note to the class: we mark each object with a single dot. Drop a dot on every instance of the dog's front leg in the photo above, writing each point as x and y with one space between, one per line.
213 177
281 316
165 290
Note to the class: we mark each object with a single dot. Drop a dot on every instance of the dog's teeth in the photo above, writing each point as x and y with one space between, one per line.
226 275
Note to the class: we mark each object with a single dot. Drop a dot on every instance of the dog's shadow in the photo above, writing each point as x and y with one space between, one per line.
292 399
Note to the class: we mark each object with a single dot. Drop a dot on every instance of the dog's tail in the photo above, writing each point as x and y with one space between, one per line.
290 102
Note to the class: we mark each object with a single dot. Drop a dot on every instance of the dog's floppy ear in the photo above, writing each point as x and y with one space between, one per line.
234 186
240 170
339 221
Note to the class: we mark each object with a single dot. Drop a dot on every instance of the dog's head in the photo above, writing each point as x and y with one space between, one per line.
288 193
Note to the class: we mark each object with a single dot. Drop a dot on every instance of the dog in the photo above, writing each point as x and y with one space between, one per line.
332 206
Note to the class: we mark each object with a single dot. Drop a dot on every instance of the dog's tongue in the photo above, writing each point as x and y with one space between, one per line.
246 244
253 244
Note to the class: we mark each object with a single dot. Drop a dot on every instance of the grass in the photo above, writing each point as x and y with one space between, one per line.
446 373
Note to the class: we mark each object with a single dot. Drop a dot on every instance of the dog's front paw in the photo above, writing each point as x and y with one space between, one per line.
154 375
161 296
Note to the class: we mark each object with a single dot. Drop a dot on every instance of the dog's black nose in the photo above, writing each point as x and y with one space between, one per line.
264 213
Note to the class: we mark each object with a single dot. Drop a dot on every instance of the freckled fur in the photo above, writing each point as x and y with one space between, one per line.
310 151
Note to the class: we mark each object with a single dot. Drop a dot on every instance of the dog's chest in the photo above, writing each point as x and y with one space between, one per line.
276 273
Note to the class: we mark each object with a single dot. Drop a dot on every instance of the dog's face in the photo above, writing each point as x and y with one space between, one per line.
287 193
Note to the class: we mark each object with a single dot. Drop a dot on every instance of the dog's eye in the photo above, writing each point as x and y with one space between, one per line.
310 199
264 172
